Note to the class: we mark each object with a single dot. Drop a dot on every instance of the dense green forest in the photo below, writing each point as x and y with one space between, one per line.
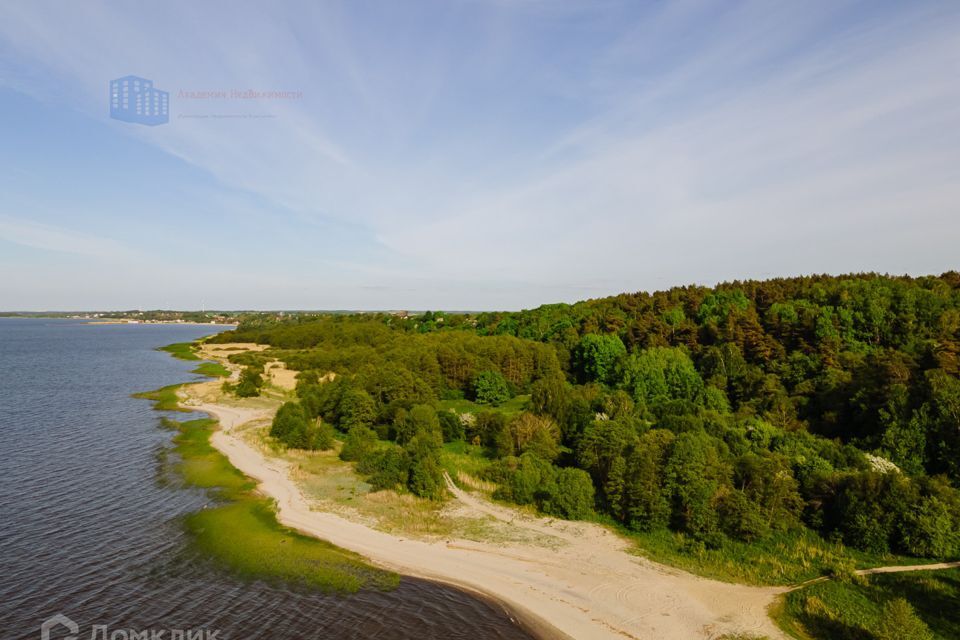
825 406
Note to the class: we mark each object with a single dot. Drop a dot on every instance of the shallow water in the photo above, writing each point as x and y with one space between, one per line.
87 530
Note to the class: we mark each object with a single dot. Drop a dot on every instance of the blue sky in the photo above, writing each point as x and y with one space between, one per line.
471 155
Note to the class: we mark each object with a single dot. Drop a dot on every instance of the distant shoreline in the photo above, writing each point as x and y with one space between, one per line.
112 321
175 322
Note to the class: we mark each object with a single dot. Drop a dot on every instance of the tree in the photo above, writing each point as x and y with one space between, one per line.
389 468
928 529
357 409
740 518
526 480
321 436
360 443
421 418
451 426
661 374
490 387
645 505
900 622
250 382
289 425
693 476
602 444
572 495
487 427
528 432
426 474
596 356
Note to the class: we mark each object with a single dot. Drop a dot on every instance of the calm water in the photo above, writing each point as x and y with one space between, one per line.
87 530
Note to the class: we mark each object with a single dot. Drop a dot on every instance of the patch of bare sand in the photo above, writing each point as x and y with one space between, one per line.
275 372
281 377
225 349
579 579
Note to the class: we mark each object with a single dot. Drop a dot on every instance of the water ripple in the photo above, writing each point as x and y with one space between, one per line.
87 530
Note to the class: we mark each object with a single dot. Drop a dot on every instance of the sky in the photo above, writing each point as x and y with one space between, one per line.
467 154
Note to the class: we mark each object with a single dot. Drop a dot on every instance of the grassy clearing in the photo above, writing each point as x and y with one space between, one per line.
164 398
510 407
786 559
854 610
326 478
462 457
212 369
181 350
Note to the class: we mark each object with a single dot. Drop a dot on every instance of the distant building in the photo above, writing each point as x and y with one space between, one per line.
134 99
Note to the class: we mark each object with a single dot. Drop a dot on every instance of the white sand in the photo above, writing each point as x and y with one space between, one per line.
584 585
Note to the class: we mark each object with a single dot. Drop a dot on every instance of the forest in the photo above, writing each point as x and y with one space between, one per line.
826 405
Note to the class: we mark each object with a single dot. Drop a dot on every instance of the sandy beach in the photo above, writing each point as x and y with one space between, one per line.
579 580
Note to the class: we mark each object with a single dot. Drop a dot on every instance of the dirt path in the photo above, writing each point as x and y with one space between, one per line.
909 567
581 583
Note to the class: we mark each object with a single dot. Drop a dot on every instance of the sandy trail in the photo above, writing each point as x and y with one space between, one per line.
583 585
900 568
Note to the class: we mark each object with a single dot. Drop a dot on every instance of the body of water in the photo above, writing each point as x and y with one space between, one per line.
88 531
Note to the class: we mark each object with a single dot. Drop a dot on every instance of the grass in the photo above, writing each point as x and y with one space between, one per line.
853 610
212 369
784 559
334 483
164 398
181 350
201 465
463 457
186 351
510 407
325 477
244 536
240 531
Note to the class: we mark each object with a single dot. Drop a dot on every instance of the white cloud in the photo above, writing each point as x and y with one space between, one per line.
696 142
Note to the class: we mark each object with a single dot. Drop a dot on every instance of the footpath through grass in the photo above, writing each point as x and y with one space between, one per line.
785 559
865 608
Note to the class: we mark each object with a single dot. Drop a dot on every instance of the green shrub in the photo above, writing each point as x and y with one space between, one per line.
451 426
388 468
250 383
900 622
361 442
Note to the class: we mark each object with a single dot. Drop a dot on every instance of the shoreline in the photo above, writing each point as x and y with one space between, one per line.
587 585
535 625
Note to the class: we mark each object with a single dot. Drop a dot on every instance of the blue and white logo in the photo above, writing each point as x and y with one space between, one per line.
134 99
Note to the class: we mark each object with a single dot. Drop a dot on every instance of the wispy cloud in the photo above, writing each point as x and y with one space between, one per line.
52 238
544 150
